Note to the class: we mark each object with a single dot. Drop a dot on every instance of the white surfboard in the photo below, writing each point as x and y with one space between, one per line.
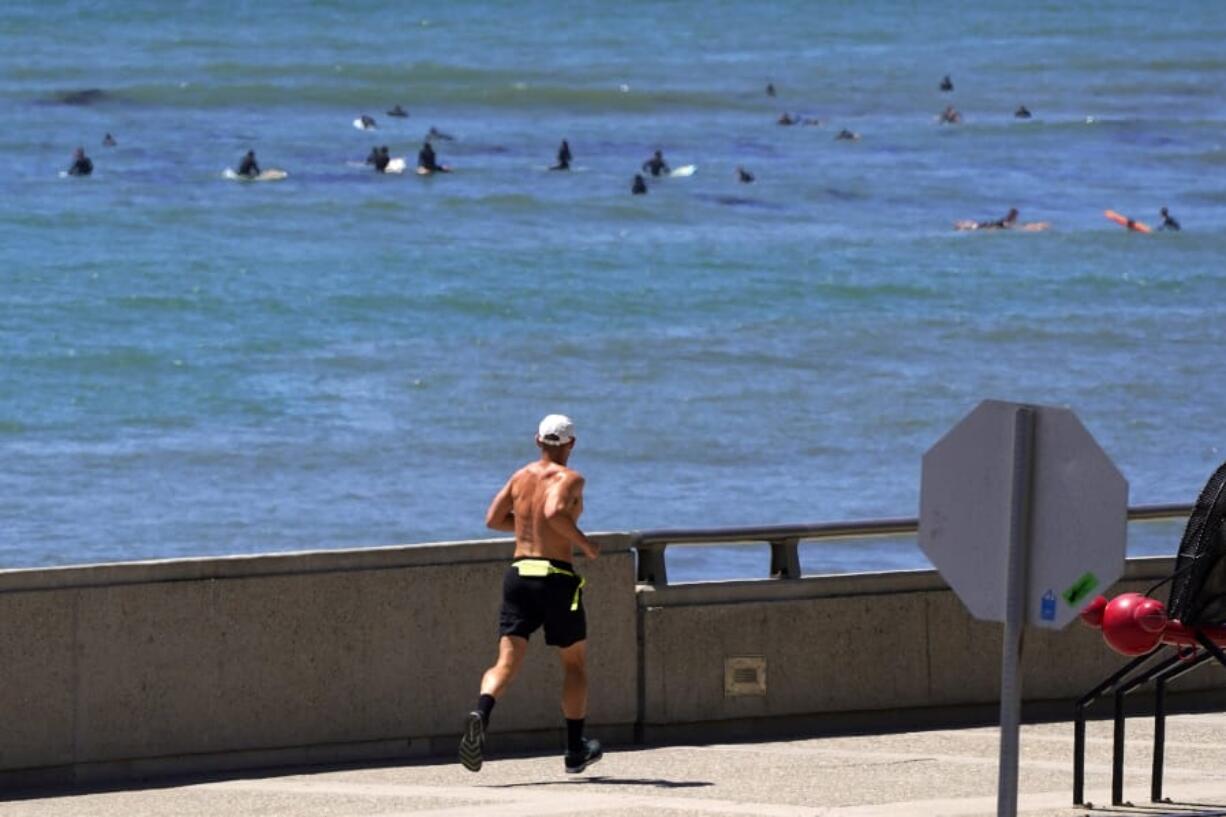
360 125
396 165
683 171
272 174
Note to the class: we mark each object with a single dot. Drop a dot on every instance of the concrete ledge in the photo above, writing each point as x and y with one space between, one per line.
291 563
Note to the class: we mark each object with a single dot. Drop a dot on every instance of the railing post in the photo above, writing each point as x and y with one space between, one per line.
1079 754
1117 753
1155 783
785 559
651 566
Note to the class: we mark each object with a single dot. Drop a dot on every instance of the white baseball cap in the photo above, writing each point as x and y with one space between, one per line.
556 429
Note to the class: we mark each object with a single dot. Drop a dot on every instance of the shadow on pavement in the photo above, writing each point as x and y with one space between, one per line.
611 781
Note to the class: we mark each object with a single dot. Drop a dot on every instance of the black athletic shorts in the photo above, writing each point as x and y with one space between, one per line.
531 601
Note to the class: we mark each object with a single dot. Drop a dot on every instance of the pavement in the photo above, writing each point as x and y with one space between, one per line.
943 772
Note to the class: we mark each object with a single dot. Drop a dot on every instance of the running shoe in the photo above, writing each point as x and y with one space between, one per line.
472 743
591 753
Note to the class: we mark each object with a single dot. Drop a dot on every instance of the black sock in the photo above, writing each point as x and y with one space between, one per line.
485 705
574 737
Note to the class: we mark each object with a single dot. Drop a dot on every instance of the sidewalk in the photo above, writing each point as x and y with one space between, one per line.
924 773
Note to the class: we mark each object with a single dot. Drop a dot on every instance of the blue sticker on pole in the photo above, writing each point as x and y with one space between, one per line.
1047 610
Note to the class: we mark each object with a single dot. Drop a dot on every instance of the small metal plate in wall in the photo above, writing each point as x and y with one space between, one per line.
744 675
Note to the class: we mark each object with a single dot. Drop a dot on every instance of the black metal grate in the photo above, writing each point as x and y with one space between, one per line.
1198 588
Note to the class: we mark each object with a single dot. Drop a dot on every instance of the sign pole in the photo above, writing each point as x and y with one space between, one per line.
1015 609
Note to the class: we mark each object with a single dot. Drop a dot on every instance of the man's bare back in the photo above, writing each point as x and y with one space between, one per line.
542 503
539 489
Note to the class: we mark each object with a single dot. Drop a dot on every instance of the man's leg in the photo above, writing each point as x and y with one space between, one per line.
580 752
574 680
511 652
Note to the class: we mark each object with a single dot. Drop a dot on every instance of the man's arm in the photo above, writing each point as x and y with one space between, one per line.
562 503
501 513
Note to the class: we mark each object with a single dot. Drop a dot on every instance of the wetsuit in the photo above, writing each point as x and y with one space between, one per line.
656 165
639 187
1169 223
248 167
1000 223
81 167
426 158
563 157
381 161
372 158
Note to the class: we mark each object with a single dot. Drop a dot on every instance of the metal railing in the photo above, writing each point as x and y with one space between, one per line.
784 540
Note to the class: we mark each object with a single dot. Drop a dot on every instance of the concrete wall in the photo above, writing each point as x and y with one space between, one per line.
118 671
123 671
856 650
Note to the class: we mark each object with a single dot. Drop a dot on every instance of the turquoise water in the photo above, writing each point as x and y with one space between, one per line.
193 366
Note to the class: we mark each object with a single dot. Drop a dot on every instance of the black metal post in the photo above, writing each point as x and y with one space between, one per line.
1155 782
1079 756
651 565
785 559
1117 753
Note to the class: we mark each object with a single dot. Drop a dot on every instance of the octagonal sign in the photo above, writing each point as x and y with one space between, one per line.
1075 512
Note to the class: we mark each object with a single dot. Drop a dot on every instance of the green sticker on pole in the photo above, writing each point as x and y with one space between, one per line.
1082 588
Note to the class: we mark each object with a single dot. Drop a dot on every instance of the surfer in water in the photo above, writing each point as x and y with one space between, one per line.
1005 223
1022 112
786 119
372 158
248 166
744 176
950 116
427 162
639 187
81 165
398 112
1168 221
108 141
947 84
367 122
656 164
564 157
435 133
846 135
382 157
770 89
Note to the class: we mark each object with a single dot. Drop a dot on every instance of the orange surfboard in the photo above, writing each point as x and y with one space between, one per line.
1124 221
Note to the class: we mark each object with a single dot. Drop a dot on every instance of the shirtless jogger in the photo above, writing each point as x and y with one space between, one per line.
541 503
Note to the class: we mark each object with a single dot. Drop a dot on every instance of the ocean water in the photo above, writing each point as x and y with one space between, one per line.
193 366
